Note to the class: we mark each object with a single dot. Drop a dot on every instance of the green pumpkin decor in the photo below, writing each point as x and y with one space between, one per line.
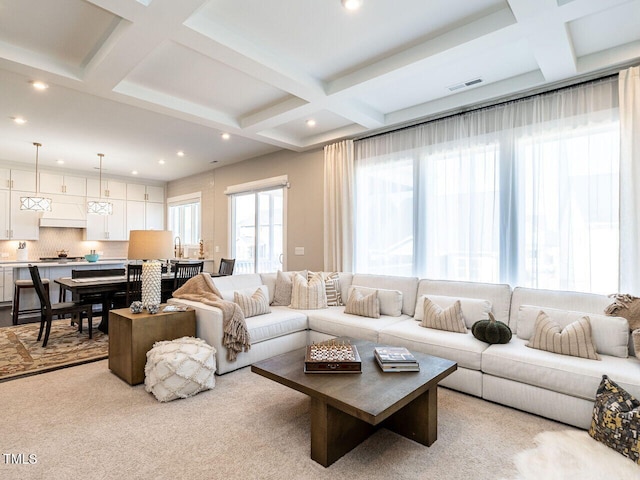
491 331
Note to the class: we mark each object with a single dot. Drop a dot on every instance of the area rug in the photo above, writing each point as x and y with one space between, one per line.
22 354
573 455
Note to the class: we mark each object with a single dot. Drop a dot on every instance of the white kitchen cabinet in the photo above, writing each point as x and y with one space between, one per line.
145 216
111 189
5 215
108 227
65 184
23 224
7 277
5 179
145 193
154 216
23 180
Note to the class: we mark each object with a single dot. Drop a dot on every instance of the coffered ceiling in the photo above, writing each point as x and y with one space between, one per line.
140 80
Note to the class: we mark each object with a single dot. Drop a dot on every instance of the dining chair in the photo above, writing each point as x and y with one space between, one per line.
134 283
184 271
48 311
226 266
98 298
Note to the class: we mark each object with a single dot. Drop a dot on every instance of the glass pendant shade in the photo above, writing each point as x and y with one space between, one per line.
100 207
35 202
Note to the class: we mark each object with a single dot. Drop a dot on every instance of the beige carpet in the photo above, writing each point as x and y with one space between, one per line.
22 354
84 422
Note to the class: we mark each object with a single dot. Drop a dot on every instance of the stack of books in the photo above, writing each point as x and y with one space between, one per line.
396 359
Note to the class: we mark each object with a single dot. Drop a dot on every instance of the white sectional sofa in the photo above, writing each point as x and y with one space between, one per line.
555 386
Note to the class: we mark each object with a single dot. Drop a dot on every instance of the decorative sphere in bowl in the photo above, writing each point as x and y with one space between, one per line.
92 257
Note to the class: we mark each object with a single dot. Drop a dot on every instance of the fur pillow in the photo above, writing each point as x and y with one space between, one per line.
625 306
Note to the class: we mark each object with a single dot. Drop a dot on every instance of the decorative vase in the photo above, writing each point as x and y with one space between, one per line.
151 283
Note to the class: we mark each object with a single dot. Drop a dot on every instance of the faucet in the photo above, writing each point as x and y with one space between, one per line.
177 247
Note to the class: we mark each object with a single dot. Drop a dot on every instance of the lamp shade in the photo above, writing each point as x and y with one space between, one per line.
150 244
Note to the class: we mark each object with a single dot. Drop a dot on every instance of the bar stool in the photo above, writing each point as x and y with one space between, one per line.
19 286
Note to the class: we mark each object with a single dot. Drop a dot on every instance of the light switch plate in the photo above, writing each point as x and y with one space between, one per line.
299 251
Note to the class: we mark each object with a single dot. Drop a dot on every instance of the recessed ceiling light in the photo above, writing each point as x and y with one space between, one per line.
19 120
180 153
134 172
311 123
161 162
351 4
225 136
39 85
60 161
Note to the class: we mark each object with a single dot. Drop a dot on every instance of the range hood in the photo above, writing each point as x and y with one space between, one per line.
65 212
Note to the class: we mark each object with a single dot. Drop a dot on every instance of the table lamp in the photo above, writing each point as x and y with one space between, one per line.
150 245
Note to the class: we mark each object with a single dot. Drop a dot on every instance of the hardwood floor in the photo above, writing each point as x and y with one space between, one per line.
5 317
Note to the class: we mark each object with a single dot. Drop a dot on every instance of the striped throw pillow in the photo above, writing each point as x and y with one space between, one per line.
331 287
449 319
283 288
363 305
256 304
574 339
308 295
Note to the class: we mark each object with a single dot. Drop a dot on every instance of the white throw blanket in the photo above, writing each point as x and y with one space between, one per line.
235 334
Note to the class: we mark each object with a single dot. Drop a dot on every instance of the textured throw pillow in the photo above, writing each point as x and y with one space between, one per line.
256 304
473 309
626 306
574 339
331 287
363 305
284 286
635 338
616 419
449 319
308 295
390 300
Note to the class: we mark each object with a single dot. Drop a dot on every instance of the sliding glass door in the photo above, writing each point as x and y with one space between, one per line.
257 236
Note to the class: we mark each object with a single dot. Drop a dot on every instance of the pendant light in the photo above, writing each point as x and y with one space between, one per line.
100 207
36 203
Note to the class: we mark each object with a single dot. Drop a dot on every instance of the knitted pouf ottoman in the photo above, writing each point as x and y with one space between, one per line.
179 368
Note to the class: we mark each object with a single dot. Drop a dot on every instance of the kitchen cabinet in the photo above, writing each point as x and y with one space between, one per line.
108 227
5 179
23 180
7 280
5 214
145 216
66 184
111 189
15 223
145 193
154 216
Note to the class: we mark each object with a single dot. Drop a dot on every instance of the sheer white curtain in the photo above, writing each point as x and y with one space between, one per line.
524 193
338 207
629 89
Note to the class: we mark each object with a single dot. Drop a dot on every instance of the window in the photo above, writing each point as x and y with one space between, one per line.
185 218
257 225
524 193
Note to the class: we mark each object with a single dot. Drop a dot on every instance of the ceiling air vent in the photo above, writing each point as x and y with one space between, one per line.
466 84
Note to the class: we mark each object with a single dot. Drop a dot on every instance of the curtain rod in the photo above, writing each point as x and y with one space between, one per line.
554 87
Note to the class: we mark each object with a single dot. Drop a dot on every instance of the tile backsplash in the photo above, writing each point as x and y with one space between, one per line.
54 239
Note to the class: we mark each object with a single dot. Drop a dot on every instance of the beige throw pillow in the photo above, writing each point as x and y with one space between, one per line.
574 339
363 305
256 304
449 319
308 295
331 287
284 286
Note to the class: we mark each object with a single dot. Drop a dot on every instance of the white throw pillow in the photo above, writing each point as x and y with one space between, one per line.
231 294
331 287
363 305
284 287
473 309
390 300
254 304
610 334
308 295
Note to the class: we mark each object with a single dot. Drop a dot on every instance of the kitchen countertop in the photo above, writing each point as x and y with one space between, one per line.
40 263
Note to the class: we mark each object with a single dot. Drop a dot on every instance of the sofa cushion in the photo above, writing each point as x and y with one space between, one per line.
390 300
308 294
574 339
253 304
281 321
407 285
448 319
333 321
610 334
228 284
363 305
462 348
473 309
575 376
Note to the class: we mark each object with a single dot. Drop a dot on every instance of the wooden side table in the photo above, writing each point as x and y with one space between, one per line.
131 336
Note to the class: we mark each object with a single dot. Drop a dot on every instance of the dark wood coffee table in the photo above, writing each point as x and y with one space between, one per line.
347 408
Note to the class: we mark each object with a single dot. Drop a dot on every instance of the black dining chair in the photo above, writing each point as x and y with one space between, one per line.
184 271
48 311
226 266
134 283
